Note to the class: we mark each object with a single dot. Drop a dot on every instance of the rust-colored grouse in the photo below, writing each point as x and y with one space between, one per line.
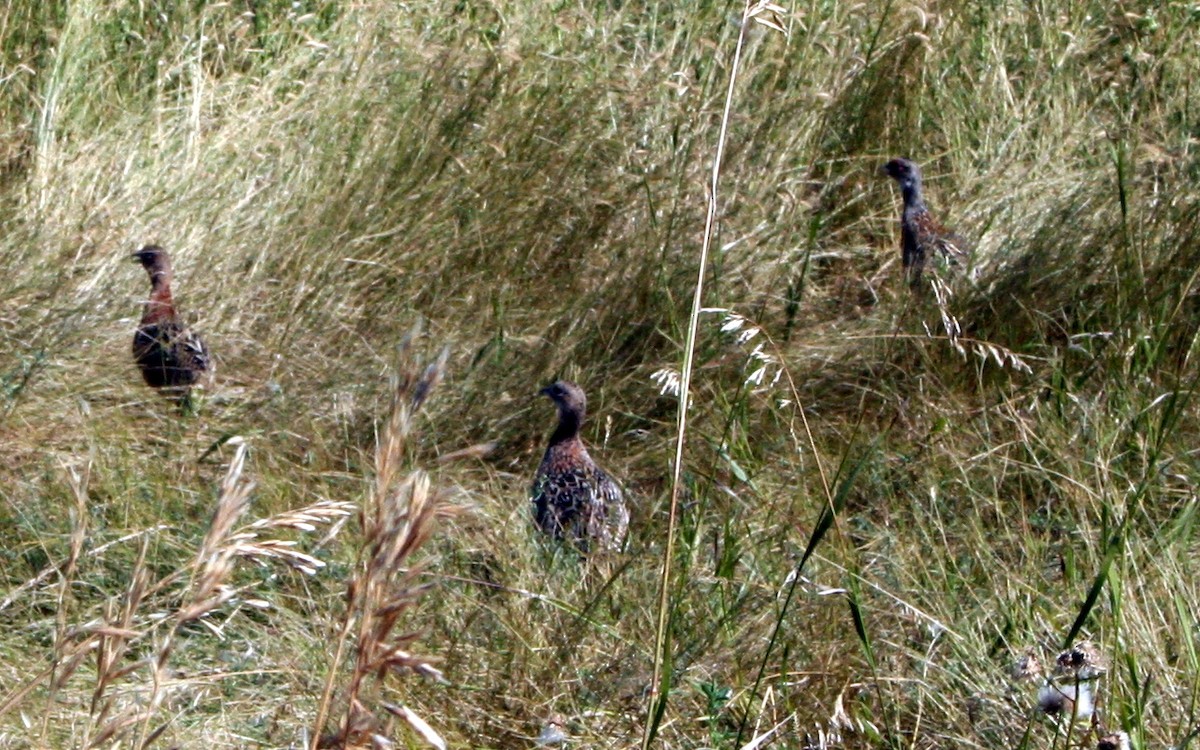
172 357
921 235
573 498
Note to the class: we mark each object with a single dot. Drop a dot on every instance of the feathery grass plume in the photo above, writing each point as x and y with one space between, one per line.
61 669
764 368
667 381
397 519
118 632
208 589
194 592
952 329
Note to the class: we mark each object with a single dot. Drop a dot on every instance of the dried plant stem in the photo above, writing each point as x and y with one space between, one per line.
212 566
53 568
396 519
331 681
79 517
658 696
386 454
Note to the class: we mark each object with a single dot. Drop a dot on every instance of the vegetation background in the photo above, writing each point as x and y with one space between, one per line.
529 179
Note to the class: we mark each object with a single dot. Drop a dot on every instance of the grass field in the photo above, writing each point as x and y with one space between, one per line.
887 500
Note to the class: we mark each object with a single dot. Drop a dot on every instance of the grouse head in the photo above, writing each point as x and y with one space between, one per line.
905 172
568 397
154 259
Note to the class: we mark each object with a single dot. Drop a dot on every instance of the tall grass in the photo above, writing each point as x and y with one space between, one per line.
530 180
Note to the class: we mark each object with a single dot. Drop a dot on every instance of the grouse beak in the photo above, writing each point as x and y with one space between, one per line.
136 257
545 392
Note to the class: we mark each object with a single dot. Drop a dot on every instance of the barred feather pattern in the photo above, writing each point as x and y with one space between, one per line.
572 498
170 355
575 499
921 235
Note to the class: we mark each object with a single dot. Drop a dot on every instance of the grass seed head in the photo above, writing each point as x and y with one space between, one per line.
1028 668
1113 741
1082 662
1073 702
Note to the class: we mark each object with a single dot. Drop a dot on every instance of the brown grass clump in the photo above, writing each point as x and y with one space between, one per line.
397 520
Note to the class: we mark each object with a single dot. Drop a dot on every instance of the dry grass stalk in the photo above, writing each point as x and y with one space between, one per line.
214 562
112 640
122 622
47 572
65 664
397 520
984 350
766 14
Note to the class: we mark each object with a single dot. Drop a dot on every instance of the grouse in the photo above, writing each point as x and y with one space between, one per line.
172 357
572 497
921 235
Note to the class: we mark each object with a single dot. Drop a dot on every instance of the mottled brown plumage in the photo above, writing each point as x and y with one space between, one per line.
572 497
921 235
172 358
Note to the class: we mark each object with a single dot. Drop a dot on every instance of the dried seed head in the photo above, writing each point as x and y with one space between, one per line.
553 732
668 381
1028 668
1114 741
1069 701
1083 662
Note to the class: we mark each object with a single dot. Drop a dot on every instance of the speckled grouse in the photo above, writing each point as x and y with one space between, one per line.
172 358
921 235
572 497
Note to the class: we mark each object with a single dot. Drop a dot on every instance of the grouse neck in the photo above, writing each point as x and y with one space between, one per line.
160 275
911 189
160 304
569 422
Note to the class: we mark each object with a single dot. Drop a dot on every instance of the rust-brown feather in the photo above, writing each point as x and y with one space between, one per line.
171 356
